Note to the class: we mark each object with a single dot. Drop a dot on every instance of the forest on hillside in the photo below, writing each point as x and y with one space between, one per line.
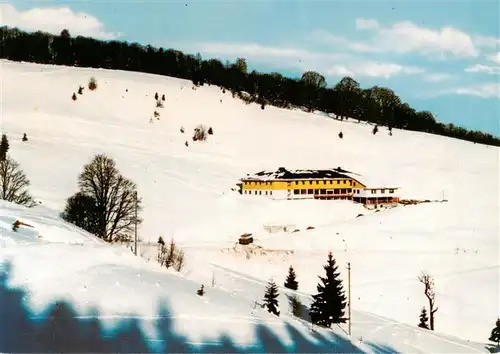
376 105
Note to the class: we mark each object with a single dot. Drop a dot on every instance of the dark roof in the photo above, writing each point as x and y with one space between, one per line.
283 173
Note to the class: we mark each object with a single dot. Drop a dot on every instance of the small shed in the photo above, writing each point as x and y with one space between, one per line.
245 239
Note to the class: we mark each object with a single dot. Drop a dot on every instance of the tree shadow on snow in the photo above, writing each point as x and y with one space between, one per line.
59 328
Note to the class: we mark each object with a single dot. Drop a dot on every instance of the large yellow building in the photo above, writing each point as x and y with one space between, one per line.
334 184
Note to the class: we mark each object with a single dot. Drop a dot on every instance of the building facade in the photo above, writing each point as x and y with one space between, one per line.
335 184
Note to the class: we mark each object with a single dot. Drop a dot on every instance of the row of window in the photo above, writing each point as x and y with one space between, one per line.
268 183
322 191
259 192
382 191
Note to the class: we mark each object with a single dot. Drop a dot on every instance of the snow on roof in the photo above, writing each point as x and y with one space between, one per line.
283 173
290 174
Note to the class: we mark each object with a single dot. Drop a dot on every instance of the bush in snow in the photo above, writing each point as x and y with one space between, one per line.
156 96
73 97
115 198
375 130
81 210
159 104
170 255
201 291
423 320
210 131
341 135
80 90
495 333
25 137
92 84
200 133
163 97
14 183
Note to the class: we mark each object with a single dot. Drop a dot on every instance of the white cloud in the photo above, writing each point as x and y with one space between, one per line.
406 37
487 90
479 68
330 64
364 24
437 77
371 69
54 20
487 42
495 57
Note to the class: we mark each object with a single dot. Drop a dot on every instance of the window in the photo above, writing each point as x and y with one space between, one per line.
266 192
349 190
382 191
391 190
374 191
310 191
303 191
296 191
323 191
260 192
310 182
296 182
338 181
316 191
271 192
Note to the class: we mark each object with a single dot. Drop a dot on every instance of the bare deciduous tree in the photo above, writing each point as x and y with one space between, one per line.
115 198
429 292
14 183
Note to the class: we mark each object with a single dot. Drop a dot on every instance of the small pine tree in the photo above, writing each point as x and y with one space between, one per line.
182 130
375 130
80 90
25 137
341 135
73 97
495 333
4 147
201 291
424 320
156 96
163 97
271 298
296 306
291 279
210 131
160 241
329 303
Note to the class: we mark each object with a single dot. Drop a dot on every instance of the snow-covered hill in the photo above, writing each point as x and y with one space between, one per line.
187 195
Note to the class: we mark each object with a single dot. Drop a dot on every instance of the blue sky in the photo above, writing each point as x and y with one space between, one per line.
442 56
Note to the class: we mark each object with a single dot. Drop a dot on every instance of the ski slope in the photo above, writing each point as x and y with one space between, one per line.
187 195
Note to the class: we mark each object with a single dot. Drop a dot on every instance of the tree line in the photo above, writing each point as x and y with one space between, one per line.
346 99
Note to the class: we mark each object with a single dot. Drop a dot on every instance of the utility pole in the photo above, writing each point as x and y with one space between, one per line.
349 293
135 226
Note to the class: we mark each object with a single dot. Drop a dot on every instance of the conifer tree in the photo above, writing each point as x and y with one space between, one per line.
296 306
424 320
291 280
495 333
271 298
4 147
329 303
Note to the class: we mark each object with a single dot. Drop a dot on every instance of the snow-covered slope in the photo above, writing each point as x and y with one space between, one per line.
187 191
94 281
